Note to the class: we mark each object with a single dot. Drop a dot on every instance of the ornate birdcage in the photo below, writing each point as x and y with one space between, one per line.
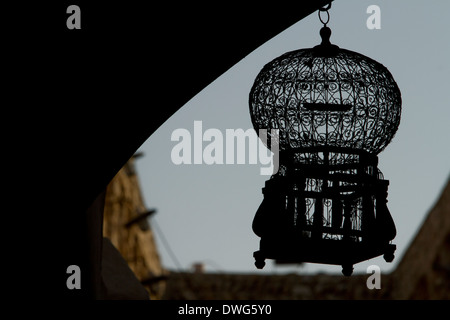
334 110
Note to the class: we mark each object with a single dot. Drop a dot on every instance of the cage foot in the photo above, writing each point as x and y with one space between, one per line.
389 256
347 270
259 260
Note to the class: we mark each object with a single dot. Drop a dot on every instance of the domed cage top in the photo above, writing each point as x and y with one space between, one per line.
341 99
335 110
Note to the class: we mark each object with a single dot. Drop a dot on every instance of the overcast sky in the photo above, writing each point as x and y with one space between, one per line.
205 211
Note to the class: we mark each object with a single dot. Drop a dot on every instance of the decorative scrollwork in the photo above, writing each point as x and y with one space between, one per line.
286 84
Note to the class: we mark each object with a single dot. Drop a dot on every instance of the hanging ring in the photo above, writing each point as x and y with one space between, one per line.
328 17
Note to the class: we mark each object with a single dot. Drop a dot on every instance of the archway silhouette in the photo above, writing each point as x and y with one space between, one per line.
106 90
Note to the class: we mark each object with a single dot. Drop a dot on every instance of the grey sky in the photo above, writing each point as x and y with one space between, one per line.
206 212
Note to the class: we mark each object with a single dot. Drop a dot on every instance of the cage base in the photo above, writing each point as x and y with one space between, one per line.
325 251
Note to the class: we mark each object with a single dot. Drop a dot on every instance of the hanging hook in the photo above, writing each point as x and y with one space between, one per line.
325 9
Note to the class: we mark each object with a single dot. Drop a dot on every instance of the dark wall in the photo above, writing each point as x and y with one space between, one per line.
85 100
